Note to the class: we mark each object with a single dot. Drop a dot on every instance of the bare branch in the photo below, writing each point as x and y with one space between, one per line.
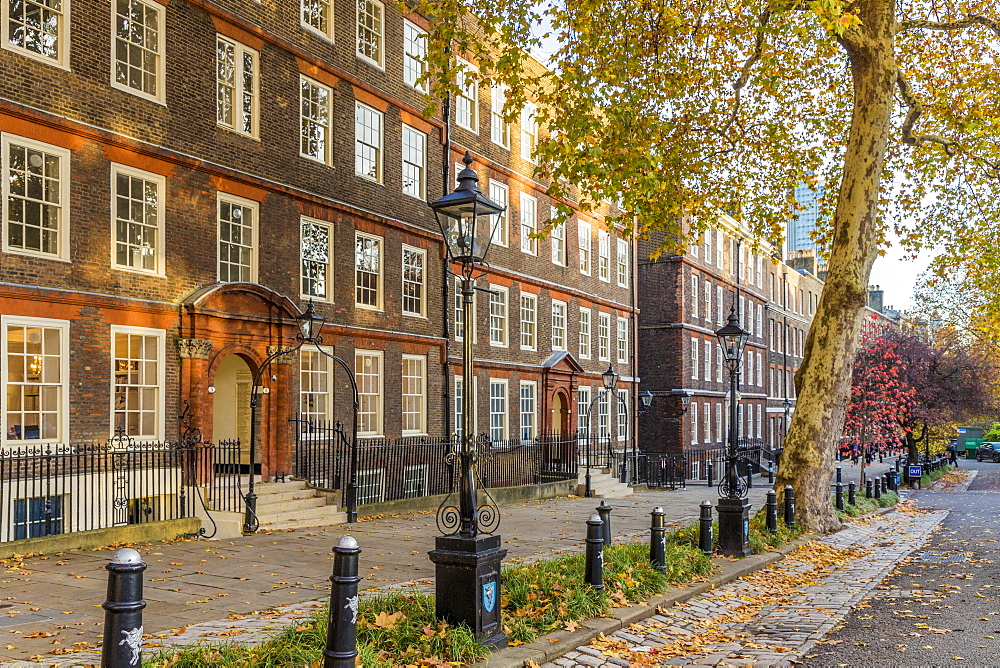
961 24
913 115
747 70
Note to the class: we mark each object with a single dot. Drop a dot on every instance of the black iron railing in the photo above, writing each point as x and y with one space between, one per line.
53 489
389 469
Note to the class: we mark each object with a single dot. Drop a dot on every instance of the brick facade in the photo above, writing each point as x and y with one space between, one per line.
179 140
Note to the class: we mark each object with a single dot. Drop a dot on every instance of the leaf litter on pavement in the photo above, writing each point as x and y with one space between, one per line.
779 584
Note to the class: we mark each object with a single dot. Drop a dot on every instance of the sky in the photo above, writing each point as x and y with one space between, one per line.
897 276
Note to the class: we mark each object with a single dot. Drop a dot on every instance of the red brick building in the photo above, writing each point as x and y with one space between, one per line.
171 204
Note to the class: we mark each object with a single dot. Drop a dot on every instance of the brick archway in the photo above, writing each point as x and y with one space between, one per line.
251 321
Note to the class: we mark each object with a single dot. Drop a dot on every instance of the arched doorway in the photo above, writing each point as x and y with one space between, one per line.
558 414
231 406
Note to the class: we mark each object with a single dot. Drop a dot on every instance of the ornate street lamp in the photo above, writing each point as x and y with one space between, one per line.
310 325
646 400
734 507
468 563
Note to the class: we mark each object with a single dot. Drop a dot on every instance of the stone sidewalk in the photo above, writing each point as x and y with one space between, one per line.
735 625
247 587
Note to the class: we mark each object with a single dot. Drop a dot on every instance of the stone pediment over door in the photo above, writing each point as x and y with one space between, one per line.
562 362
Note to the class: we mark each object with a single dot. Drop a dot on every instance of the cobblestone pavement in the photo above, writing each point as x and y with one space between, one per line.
777 634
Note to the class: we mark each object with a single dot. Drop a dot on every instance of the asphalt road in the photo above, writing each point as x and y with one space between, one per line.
941 605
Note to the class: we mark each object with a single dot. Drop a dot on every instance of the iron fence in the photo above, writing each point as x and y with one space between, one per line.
53 489
388 469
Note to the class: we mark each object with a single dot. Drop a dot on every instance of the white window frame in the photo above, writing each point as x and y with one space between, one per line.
694 296
322 372
528 407
326 13
328 261
585 244
459 386
467 97
718 304
254 226
65 176
708 345
499 307
708 300
621 340
603 337
368 124
558 237
421 397
159 383
499 127
160 52
604 255
582 408
326 125
376 397
623 263
62 430
621 421
584 333
498 418
529 224
379 273
760 367
408 279
414 162
694 423
62 35
529 334
529 131
239 107
500 194
414 55
376 29
158 251
559 333
695 349
603 414
719 250
707 419
370 486
411 491
718 422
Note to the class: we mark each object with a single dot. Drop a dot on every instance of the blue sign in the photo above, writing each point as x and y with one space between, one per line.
916 470
489 596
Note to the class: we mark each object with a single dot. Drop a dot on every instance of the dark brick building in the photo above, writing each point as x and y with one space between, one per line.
171 204
684 299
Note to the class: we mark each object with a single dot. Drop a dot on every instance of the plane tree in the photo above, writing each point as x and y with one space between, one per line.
675 109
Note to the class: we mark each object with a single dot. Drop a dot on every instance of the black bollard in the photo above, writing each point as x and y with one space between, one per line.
749 476
887 483
869 488
123 611
789 507
878 488
770 473
709 466
840 472
771 514
594 570
657 540
852 493
840 495
604 511
706 542
341 628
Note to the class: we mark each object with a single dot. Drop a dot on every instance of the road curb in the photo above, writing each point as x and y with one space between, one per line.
557 643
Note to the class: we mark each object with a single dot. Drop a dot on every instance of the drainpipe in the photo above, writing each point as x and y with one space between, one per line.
446 301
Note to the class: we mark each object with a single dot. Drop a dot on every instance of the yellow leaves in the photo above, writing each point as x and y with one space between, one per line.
40 634
384 620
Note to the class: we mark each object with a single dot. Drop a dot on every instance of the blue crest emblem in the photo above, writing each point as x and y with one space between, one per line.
489 596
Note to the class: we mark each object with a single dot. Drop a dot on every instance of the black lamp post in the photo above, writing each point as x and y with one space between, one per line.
734 507
310 324
468 562
609 379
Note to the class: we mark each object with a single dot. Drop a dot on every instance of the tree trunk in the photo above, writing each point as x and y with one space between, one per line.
823 382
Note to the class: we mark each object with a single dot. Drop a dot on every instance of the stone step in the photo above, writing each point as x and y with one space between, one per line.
268 504
290 495
306 519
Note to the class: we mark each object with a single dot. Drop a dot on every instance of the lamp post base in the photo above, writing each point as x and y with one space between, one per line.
734 527
467 584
